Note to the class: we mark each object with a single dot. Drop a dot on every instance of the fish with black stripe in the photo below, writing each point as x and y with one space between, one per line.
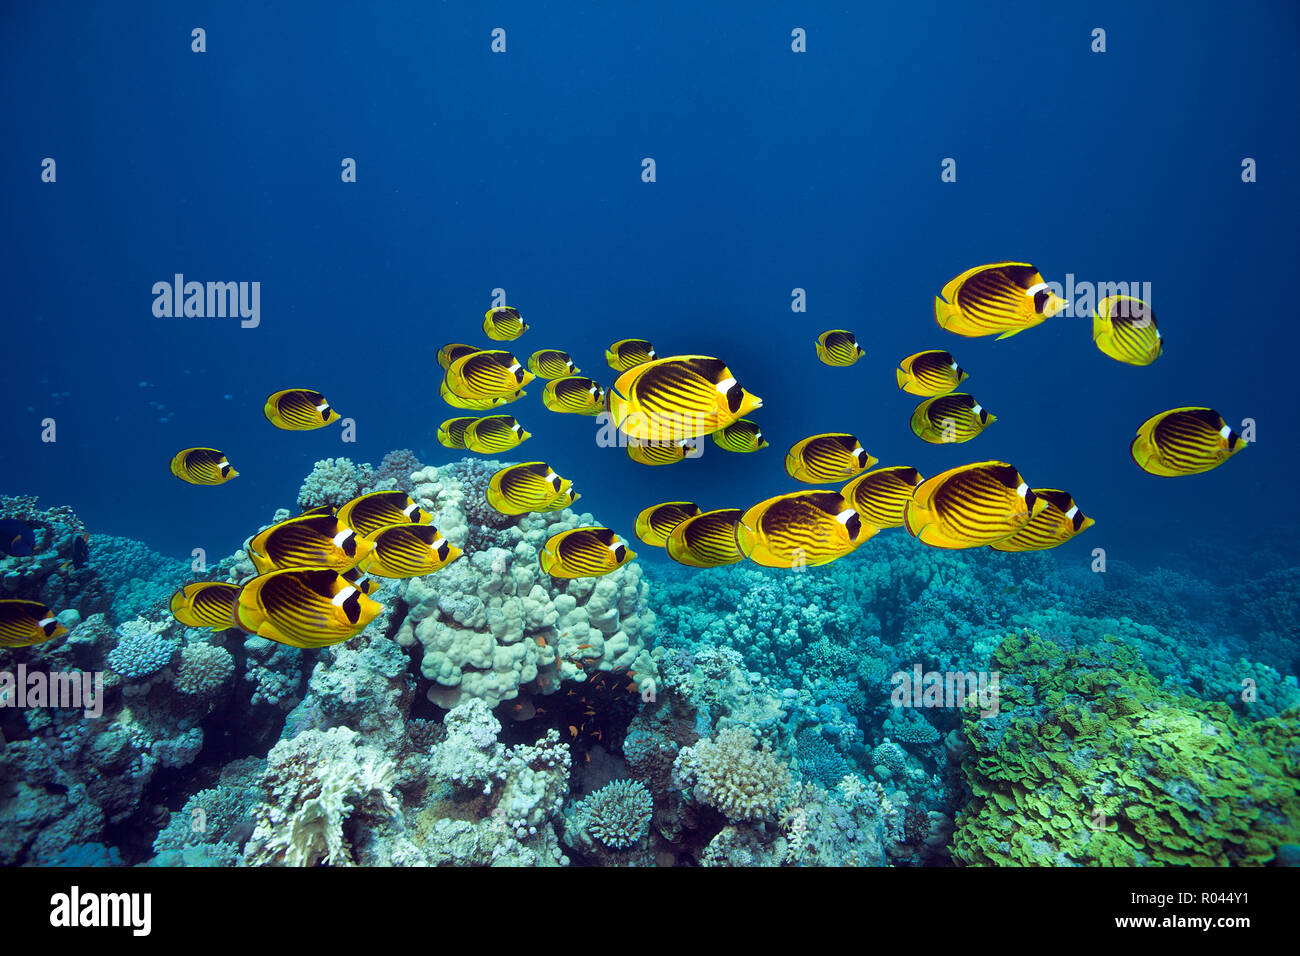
1056 524
971 505
477 404
206 604
454 350
492 434
629 353
362 583
741 436
584 553
366 514
552 364
1184 441
408 551
451 433
1003 298
881 496
298 410
531 486
311 541
804 528
683 396
838 347
656 523
656 453
503 323
484 375
304 607
25 623
706 540
950 419
833 456
933 372
575 395
1124 328
202 466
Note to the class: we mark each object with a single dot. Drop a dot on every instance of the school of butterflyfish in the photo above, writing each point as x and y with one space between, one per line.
316 572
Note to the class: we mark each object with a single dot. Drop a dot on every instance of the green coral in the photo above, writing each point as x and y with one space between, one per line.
1091 762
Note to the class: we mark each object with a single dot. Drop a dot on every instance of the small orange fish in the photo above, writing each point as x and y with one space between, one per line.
573 731
583 647
588 756
632 686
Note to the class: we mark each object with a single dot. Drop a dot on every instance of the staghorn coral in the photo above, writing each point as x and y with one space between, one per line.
731 773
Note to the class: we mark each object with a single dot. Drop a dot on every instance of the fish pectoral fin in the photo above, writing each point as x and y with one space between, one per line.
1009 333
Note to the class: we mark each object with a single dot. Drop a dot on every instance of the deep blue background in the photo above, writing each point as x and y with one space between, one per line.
776 170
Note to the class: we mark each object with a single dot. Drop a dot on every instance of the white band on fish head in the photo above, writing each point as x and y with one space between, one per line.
1023 489
339 599
1034 290
725 385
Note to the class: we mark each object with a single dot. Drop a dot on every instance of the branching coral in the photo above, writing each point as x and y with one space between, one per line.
731 773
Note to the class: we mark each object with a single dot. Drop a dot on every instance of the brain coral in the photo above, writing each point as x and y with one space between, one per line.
731 773
1091 761
618 814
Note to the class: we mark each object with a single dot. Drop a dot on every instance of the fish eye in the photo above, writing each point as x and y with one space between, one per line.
555 483
225 471
519 375
444 551
49 627
734 396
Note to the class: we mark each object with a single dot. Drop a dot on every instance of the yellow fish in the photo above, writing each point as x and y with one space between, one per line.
454 350
881 496
561 501
934 372
684 396
503 324
656 523
830 457
1125 329
202 466
805 528
584 553
1184 441
358 580
451 433
24 623
1056 524
298 409
477 404
629 353
551 363
655 453
1005 298
408 551
487 374
492 434
838 347
304 607
314 541
532 486
948 419
575 395
366 514
742 435
206 604
706 540
971 505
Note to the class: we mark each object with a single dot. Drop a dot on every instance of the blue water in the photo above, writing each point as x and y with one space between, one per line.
522 170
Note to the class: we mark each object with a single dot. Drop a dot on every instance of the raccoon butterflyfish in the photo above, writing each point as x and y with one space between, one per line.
1056 524
408 551
454 350
202 466
24 623
368 513
742 435
950 419
706 540
503 323
488 374
838 347
551 363
656 453
298 410
1125 329
804 528
683 396
451 433
834 456
304 607
629 353
493 434
584 553
971 505
477 404
656 523
206 604
574 394
311 541
880 496
934 372
531 486
1004 298
1184 441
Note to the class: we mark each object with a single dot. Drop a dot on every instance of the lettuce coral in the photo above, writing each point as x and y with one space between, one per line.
1091 761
